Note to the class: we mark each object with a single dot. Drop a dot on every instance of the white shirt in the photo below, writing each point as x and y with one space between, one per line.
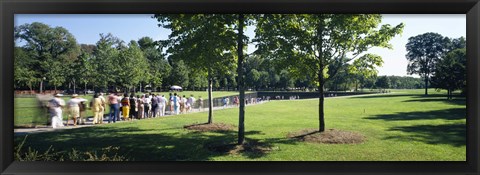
163 101
191 100
147 100
74 102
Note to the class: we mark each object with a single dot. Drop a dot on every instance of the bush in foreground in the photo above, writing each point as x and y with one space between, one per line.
29 154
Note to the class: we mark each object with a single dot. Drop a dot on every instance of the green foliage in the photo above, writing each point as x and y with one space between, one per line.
383 82
106 64
24 73
309 44
132 64
49 49
450 72
205 42
405 82
179 74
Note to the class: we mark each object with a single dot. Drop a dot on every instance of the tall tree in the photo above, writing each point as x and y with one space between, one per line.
179 74
24 72
50 48
132 63
105 55
450 72
157 63
423 51
310 43
204 41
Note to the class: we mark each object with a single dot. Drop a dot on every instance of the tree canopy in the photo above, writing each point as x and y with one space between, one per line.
310 44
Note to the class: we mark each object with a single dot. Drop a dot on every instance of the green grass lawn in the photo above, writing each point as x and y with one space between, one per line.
401 126
27 112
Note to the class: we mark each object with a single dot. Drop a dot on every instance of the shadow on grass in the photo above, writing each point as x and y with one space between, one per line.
385 96
145 144
451 134
457 101
446 114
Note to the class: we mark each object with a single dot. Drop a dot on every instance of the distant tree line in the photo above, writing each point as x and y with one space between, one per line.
50 58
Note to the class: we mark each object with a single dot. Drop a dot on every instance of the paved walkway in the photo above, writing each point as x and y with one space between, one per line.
88 123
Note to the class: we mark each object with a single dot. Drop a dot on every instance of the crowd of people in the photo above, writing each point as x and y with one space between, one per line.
122 107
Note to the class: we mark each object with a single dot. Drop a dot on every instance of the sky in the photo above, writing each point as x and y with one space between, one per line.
87 28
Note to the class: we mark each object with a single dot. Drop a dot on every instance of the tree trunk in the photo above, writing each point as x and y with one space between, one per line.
321 112
426 85
85 89
74 86
30 86
449 94
241 116
41 86
210 100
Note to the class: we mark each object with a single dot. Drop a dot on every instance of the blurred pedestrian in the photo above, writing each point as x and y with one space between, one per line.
114 107
162 104
55 107
140 106
125 107
96 107
133 107
74 108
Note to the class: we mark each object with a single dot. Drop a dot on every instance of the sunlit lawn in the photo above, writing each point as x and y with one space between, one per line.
401 126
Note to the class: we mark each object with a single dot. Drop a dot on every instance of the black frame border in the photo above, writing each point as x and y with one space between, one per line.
10 7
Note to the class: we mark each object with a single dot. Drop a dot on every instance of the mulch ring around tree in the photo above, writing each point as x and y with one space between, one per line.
251 147
330 136
205 127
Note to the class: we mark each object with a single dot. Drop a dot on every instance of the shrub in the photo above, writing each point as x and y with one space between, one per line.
30 154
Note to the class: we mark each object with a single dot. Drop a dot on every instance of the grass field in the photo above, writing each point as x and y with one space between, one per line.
401 126
27 112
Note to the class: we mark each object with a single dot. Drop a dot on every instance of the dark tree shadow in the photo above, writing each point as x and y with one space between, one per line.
146 145
446 114
384 96
457 101
451 134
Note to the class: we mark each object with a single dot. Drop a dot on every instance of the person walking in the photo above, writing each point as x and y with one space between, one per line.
96 106
103 108
133 107
125 107
120 111
74 108
171 104
225 102
200 103
161 105
140 106
155 102
146 106
235 101
114 107
176 103
55 108
182 104
190 103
